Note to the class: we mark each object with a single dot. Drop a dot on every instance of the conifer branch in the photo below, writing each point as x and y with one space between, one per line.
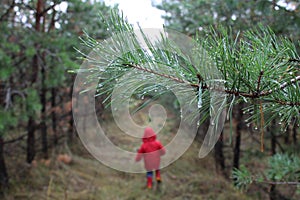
159 74
258 94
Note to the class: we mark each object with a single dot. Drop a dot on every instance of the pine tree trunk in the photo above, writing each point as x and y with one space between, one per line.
287 135
236 151
239 127
219 155
295 134
53 116
4 180
272 194
71 120
30 140
34 76
44 139
43 125
273 138
3 172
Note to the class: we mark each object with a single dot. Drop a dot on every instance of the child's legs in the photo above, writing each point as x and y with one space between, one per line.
157 175
149 179
149 174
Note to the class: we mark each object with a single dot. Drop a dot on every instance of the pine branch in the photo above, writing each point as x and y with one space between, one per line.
159 74
231 92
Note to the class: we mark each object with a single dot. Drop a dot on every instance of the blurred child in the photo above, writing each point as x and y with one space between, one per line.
151 150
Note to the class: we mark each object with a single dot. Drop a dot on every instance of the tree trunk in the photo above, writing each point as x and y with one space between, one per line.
30 140
3 172
272 194
71 120
239 127
287 135
273 138
236 151
34 76
43 125
219 155
295 134
53 116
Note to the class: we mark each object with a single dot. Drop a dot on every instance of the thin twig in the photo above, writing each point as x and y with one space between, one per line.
259 81
15 139
282 86
288 103
294 60
279 182
156 73
262 122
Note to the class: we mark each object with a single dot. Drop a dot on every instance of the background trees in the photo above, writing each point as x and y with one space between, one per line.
36 51
192 16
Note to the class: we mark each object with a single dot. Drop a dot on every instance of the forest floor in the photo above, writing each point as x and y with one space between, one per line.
85 178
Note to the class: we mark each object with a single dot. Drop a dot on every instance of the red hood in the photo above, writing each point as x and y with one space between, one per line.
149 135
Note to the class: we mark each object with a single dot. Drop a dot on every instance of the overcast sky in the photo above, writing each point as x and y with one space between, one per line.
140 11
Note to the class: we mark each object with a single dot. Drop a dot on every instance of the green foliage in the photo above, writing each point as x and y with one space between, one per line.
242 177
190 16
284 167
256 64
7 120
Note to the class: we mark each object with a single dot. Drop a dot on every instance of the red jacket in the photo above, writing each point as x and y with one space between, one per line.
150 150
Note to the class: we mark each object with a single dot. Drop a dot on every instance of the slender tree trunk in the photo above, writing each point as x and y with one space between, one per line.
71 120
71 129
4 180
272 194
219 155
273 138
43 125
35 68
3 171
287 135
295 134
239 127
53 116
30 140
236 151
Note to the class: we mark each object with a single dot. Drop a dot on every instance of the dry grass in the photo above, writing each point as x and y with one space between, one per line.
87 179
